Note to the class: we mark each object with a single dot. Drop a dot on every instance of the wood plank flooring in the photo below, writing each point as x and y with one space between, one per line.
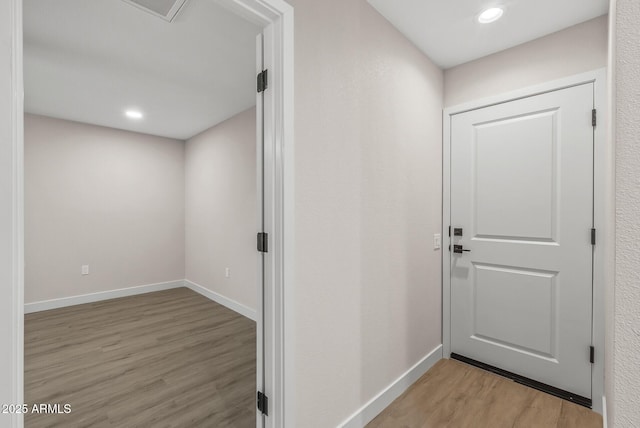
454 394
167 359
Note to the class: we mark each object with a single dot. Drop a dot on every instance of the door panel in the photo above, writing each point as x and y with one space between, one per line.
515 174
520 295
522 192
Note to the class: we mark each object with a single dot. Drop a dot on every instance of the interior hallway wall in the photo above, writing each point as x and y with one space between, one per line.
221 206
573 50
623 368
368 195
110 199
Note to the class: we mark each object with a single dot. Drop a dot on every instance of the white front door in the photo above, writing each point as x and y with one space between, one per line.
522 195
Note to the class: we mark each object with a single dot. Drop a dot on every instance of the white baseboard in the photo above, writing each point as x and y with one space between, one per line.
224 301
377 404
46 305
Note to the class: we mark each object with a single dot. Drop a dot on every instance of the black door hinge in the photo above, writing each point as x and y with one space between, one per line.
263 82
592 354
593 117
263 403
263 242
593 237
449 230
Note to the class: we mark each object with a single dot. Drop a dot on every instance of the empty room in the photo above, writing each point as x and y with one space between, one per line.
141 207
320 214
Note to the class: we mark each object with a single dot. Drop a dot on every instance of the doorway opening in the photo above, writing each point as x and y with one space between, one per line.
143 197
275 18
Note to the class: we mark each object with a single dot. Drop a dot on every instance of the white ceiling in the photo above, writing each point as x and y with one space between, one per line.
448 32
89 60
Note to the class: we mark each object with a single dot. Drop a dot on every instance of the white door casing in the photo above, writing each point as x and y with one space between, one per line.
260 310
522 191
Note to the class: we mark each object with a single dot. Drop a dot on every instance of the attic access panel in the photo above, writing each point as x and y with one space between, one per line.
165 9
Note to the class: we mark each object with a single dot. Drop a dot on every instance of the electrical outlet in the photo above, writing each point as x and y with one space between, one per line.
227 272
437 241
85 269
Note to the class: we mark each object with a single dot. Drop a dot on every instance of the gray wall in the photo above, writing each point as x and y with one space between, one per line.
623 381
110 199
221 209
574 50
368 191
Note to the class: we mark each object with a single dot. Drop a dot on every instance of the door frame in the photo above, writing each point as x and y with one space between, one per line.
603 200
276 16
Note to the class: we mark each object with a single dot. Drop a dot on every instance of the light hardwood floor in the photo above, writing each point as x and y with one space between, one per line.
454 394
166 359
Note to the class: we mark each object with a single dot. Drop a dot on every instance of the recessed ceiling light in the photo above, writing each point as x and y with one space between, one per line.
133 114
490 15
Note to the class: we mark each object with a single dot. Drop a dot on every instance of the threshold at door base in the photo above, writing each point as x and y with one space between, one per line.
560 393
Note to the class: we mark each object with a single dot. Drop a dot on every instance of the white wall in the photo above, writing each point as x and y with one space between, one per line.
221 209
110 199
367 202
625 380
574 50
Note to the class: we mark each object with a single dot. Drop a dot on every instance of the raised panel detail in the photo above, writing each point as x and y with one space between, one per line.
515 177
525 300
